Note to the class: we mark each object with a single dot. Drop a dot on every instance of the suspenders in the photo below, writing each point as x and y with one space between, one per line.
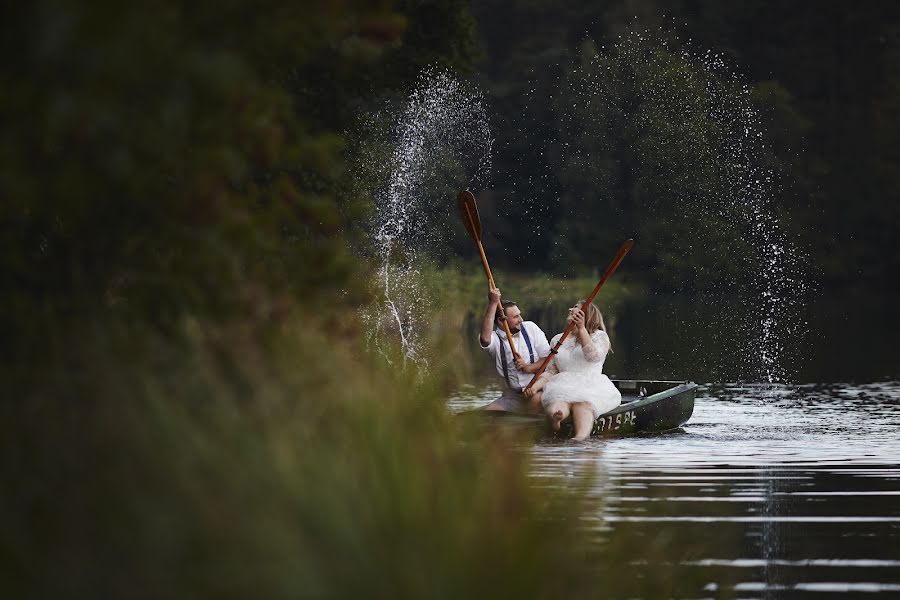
503 353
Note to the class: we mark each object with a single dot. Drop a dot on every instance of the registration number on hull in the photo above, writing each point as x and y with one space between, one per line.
615 422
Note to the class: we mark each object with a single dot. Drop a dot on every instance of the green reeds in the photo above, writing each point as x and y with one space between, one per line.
284 463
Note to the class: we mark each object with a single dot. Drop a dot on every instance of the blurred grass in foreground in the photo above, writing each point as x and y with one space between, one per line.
282 464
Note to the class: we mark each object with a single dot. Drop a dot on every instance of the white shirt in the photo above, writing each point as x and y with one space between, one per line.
539 345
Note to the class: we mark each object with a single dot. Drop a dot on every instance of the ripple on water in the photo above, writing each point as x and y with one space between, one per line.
770 490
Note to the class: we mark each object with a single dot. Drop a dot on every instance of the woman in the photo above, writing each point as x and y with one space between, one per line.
574 380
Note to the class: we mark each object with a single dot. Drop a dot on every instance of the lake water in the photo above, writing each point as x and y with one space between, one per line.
788 491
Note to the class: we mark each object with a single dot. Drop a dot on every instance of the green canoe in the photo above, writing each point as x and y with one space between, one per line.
647 407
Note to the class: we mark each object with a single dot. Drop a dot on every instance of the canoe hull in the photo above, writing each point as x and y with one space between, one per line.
666 405
647 407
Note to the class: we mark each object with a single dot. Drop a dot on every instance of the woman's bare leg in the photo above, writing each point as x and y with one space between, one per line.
557 412
583 417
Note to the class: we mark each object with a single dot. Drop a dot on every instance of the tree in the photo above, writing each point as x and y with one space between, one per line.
158 164
655 143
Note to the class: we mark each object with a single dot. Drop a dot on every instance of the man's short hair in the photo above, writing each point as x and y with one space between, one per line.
504 305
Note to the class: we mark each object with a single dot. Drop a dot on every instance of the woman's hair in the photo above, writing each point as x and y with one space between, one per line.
593 318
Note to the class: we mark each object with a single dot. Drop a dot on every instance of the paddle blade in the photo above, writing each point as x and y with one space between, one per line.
468 211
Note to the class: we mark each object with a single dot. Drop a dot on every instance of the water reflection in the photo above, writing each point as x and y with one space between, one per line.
769 492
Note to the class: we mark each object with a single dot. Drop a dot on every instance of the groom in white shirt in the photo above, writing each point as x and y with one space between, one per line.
530 343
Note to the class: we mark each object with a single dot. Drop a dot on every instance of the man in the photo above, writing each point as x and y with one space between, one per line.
529 341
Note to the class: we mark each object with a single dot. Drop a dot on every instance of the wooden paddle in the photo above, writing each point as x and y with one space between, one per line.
610 269
465 201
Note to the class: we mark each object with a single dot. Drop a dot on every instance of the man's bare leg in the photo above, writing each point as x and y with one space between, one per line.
584 420
509 403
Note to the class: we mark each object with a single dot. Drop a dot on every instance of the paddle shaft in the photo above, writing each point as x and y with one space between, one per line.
610 269
487 271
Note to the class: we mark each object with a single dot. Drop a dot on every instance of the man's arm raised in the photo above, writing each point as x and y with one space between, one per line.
487 324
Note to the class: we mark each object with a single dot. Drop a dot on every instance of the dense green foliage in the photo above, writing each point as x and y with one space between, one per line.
645 150
181 157
158 162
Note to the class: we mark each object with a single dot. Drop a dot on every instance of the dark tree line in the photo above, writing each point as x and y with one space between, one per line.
825 77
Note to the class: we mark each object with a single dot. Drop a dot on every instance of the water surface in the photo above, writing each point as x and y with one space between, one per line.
769 491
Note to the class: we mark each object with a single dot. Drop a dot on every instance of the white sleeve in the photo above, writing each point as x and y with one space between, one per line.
541 346
493 346
596 352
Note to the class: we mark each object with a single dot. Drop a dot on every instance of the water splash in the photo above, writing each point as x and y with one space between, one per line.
440 143
776 282
649 127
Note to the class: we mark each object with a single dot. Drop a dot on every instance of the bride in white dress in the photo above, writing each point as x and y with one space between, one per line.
574 379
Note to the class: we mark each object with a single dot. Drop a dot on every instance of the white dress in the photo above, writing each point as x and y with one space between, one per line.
576 375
